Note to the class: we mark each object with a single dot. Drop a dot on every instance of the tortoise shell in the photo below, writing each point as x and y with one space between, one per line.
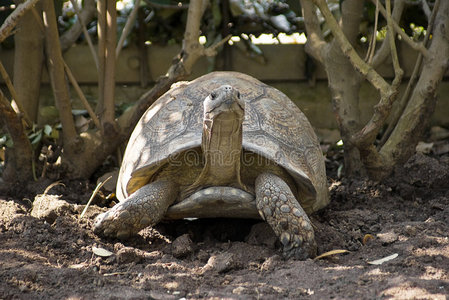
274 128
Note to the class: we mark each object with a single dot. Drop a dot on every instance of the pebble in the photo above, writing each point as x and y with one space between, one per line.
182 246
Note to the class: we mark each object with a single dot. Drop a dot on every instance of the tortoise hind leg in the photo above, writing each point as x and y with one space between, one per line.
143 208
278 206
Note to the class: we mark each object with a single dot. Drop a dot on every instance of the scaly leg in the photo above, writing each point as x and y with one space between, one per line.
145 207
278 206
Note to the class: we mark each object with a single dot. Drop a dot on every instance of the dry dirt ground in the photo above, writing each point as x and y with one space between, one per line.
46 252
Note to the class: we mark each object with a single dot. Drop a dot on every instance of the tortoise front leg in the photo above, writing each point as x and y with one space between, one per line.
143 208
278 206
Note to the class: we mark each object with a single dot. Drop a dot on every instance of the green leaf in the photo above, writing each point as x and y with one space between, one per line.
37 137
3 140
48 130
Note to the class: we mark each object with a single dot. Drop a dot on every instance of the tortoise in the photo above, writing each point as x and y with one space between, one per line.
222 145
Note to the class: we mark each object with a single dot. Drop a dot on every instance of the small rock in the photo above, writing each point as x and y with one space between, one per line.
130 255
387 238
270 263
202 255
423 147
161 296
220 263
182 246
238 290
49 207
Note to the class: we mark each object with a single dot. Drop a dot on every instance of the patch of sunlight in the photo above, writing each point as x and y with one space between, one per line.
407 291
377 272
282 38
122 4
433 273
434 251
343 268
171 285
6 7
202 39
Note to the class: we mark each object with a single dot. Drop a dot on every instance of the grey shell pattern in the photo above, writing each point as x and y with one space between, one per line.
274 128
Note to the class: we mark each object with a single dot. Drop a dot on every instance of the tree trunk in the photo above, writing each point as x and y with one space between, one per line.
28 62
72 142
18 160
344 83
401 144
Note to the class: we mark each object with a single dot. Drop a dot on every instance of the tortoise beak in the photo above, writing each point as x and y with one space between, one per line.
224 99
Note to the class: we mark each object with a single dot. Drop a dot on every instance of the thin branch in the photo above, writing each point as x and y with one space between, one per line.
372 45
128 26
13 18
394 54
101 32
384 49
108 112
426 9
212 49
367 134
86 34
180 68
315 42
412 81
81 96
365 69
12 90
417 46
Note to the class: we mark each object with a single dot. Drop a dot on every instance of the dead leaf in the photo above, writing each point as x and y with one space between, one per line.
382 260
101 252
78 266
367 238
330 253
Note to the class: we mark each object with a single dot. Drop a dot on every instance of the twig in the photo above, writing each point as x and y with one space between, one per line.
426 9
93 196
365 69
394 54
384 50
372 45
12 90
48 188
13 18
212 49
86 34
128 26
80 93
412 81
417 46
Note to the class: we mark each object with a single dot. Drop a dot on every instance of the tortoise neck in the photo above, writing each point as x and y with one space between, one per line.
222 148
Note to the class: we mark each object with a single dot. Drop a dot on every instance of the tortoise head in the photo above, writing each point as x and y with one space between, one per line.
224 99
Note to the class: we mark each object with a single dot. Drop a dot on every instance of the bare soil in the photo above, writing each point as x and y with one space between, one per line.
46 252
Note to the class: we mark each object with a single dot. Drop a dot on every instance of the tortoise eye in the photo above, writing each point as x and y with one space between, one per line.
213 95
238 94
